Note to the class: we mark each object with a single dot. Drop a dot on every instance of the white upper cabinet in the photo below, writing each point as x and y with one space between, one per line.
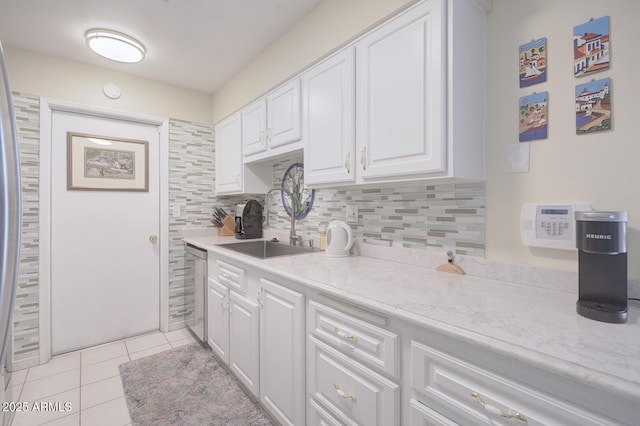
228 162
272 125
254 127
400 96
404 102
283 115
419 101
232 175
328 120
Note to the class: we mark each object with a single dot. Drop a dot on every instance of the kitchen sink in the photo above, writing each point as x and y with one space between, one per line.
266 249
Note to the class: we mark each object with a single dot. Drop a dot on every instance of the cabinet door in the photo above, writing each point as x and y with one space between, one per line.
329 120
254 126
228 162
282 355
218 319
400 96
243 341
283 115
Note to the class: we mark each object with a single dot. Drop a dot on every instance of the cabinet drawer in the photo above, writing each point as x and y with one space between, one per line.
231 276
362 341
421 415
469 394
352 392
318 416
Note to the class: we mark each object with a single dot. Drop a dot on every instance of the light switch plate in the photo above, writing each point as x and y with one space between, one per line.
176 211
352 214
518 157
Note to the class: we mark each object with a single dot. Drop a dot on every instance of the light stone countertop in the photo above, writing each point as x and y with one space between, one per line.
538 326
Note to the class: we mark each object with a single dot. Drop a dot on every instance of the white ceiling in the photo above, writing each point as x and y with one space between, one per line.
195 44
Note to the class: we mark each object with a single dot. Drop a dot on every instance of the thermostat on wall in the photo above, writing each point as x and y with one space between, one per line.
550 225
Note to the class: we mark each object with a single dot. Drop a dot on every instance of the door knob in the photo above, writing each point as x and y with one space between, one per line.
153 238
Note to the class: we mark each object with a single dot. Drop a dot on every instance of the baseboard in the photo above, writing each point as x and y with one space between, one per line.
24 363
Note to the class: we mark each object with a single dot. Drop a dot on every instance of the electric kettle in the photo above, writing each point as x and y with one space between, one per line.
339 239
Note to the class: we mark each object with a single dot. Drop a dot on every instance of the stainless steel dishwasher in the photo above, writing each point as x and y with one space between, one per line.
195 291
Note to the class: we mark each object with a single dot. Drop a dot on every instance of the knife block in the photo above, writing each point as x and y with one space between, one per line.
228 227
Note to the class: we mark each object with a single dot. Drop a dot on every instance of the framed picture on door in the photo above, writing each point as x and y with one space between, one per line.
102 163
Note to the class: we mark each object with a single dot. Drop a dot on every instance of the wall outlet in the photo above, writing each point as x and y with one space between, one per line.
352 214
176 211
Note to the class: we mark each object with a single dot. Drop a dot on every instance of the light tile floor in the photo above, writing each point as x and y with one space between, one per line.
87 381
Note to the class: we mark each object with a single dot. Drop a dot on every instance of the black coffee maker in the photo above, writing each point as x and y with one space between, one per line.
601 239
248 220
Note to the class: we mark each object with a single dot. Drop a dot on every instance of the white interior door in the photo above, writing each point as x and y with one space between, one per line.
105 270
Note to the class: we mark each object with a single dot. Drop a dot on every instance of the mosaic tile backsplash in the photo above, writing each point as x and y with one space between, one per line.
431 217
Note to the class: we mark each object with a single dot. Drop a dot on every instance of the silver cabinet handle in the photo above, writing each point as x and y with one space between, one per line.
262 137
492 409
153 238
269 133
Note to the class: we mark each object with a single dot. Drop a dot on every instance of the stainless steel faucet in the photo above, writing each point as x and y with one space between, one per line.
293 238
266 205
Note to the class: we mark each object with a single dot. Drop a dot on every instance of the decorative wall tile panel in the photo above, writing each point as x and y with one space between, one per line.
26 311
191 183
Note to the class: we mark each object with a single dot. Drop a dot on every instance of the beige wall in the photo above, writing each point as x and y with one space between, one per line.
328 26
46 76
602 168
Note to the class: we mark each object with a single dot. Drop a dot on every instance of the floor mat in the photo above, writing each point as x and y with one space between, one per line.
186 386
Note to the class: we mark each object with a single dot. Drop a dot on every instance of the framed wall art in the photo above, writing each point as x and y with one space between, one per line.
533 62
533 117
104 163
591 46
593 106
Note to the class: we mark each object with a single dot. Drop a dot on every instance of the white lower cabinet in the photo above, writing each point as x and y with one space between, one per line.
218 319
318 416
282 354
353 367
354 393
244 333
469 394
336 363
421 415
235 333
364 342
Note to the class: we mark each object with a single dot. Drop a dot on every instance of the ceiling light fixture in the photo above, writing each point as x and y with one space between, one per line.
115 46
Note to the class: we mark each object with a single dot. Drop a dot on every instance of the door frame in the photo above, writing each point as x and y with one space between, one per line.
47 108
